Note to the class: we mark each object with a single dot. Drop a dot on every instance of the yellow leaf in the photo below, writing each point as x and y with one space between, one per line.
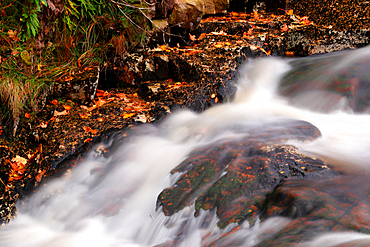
290 12
127 115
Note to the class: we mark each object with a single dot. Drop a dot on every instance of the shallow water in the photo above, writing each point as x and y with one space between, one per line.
82 210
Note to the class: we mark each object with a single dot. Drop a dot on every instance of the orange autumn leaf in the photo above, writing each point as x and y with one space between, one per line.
70 78
87 140
192 37
100 119
163 47
192 52
54 102
27 115
127 115
121 96
67 107
100 93
94 131
83 116
202 36
284 28
290 12
304 20
86 128
40 175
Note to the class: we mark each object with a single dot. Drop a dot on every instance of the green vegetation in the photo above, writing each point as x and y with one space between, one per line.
43 41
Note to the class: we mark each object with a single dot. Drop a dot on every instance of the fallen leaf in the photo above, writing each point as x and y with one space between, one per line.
121 96
163 47
67 107
127 115
44 125
100 119
40 175
202 36
290 12
87 140
20 160
69 78
15 52
193 52
304 20
27 115
86 128
284 28
54 102
100 93
62 113
83 116
88 108
218 33
289 53
192 37
94 131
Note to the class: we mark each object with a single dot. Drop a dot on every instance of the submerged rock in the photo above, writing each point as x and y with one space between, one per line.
337 81
316 207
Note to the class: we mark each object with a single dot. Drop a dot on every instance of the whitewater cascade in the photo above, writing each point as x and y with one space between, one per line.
70 212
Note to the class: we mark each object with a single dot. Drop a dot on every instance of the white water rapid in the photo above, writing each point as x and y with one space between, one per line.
70 212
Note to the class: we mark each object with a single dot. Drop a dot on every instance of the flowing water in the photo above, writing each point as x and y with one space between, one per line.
80 211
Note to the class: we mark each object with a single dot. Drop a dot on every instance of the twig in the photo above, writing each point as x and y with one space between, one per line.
9 5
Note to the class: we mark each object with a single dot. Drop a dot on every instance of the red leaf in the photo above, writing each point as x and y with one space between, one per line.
87 140
40 175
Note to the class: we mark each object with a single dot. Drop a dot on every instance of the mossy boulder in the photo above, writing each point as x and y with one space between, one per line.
235 176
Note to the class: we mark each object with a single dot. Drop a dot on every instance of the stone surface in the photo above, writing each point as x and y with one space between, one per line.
235 177
316 207
187 14
329 83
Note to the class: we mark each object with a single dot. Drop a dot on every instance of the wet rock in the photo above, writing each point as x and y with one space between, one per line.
328 83
80 87
309 40
236 176
316 207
